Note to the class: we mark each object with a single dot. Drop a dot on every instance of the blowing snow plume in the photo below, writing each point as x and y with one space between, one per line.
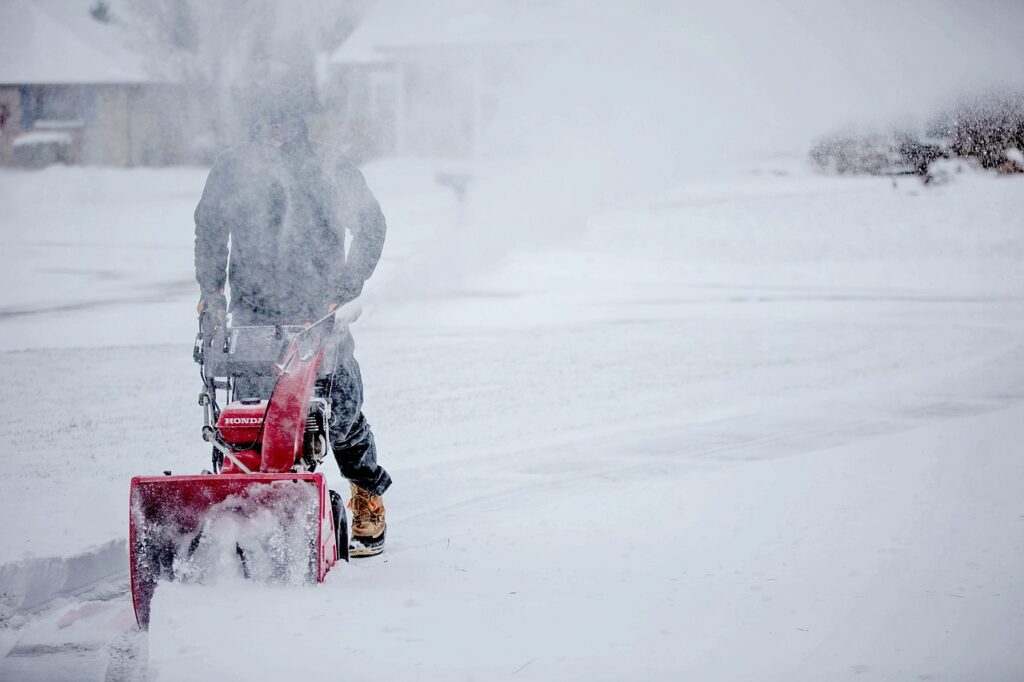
222 51
603 102
585 105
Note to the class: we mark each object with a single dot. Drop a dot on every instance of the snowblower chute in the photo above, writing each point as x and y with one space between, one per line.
262 503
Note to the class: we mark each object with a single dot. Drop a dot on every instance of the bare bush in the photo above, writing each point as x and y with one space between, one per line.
858 154
987 131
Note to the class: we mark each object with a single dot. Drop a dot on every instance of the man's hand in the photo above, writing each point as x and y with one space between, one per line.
216 306
351 287
349 312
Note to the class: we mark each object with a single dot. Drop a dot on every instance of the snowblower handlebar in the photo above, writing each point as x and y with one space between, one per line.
225 351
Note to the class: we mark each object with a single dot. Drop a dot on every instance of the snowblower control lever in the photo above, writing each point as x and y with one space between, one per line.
211 436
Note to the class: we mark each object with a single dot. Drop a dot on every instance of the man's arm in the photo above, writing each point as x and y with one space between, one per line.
368 231
213 226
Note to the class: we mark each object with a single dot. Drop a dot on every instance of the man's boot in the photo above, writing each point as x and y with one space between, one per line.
368 525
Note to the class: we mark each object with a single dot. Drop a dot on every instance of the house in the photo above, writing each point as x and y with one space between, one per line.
72 92
423 78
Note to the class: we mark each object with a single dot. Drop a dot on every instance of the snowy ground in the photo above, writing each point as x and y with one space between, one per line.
764 426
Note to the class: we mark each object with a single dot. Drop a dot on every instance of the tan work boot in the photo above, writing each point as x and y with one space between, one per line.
368 525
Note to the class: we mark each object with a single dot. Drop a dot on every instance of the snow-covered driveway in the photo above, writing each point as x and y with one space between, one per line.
763 427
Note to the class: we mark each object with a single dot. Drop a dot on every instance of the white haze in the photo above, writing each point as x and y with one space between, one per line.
689 443
617 99
702 80
638 96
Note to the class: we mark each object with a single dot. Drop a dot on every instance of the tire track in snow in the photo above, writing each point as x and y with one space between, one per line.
996 384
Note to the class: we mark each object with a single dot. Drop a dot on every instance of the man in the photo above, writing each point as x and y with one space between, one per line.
285 202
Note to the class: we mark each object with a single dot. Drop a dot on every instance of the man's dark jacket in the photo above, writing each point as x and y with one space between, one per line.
286 211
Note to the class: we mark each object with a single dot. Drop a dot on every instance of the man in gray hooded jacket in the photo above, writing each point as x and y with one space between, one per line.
285 202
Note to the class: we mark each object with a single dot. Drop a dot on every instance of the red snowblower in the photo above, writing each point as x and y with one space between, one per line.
262 511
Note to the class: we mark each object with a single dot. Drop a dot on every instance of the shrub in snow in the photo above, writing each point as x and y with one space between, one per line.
986 131
990 129
859 154
1016 157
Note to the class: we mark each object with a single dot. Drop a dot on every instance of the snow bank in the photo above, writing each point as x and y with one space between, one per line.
29 583
44 137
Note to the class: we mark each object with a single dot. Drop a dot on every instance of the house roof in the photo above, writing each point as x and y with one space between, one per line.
393 25
58 42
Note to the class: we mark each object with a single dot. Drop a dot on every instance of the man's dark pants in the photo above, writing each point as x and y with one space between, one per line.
350 434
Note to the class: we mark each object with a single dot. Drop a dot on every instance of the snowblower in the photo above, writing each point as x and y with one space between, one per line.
262 507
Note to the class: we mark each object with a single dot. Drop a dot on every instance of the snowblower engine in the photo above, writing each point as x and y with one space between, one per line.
244 363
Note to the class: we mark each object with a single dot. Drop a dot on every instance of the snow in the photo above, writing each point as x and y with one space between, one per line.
50 124
692 78
273 529
402 25
32 582
890 557
49 137
763 424
58 42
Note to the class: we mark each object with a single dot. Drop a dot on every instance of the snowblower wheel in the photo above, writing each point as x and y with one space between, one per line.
340 525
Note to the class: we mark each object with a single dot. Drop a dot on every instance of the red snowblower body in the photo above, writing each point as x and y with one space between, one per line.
263 503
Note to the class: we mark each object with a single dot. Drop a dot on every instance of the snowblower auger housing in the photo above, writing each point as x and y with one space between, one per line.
267 441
